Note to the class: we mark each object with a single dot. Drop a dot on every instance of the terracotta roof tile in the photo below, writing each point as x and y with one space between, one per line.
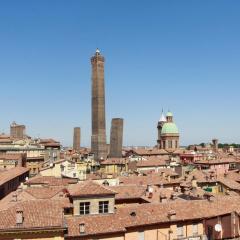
231 184
97 224
36 213
151 179
153 162
50 180
128 191
12 173
89 188
216 161
45 192
148 152
116 161
149 214
35 193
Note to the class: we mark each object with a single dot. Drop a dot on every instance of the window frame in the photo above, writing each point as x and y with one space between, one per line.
103 207
85 208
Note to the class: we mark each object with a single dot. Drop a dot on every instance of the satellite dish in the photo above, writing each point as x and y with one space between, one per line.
218 227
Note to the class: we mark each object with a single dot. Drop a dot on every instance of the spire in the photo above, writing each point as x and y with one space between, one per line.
162 118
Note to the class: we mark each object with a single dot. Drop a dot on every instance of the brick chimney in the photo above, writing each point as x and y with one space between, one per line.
82 228
14 197
19 216
173 196
172 215
162 198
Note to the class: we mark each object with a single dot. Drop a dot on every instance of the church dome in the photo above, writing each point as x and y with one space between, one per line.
169 128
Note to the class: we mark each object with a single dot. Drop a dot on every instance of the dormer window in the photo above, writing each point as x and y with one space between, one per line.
91 198
103 206
84 208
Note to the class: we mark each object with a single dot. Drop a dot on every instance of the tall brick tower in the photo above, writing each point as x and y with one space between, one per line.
215 145
98 141
116 139
76 138
17 130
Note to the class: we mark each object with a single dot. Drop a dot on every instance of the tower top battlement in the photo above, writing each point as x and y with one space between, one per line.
97 57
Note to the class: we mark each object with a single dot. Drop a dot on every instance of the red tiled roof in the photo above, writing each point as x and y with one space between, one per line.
151 179
148 152
12 173
152 162
5 140
115 161
225 179
233 175
231 184
149 214
216 161
4 136
128 191
35 193
89 188
49 143
36 213
44 192
50 180
100 175
95 224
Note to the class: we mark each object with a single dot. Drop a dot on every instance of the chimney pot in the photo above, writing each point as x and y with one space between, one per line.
19 216
14 197
162 198
82 228
173 196
172 215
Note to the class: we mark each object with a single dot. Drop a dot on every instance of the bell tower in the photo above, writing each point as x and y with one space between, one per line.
161 121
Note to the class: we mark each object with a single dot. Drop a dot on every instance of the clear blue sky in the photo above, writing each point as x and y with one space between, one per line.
177 55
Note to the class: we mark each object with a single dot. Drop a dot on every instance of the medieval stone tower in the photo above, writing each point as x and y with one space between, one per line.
116 138
215 145
98 140
76 138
